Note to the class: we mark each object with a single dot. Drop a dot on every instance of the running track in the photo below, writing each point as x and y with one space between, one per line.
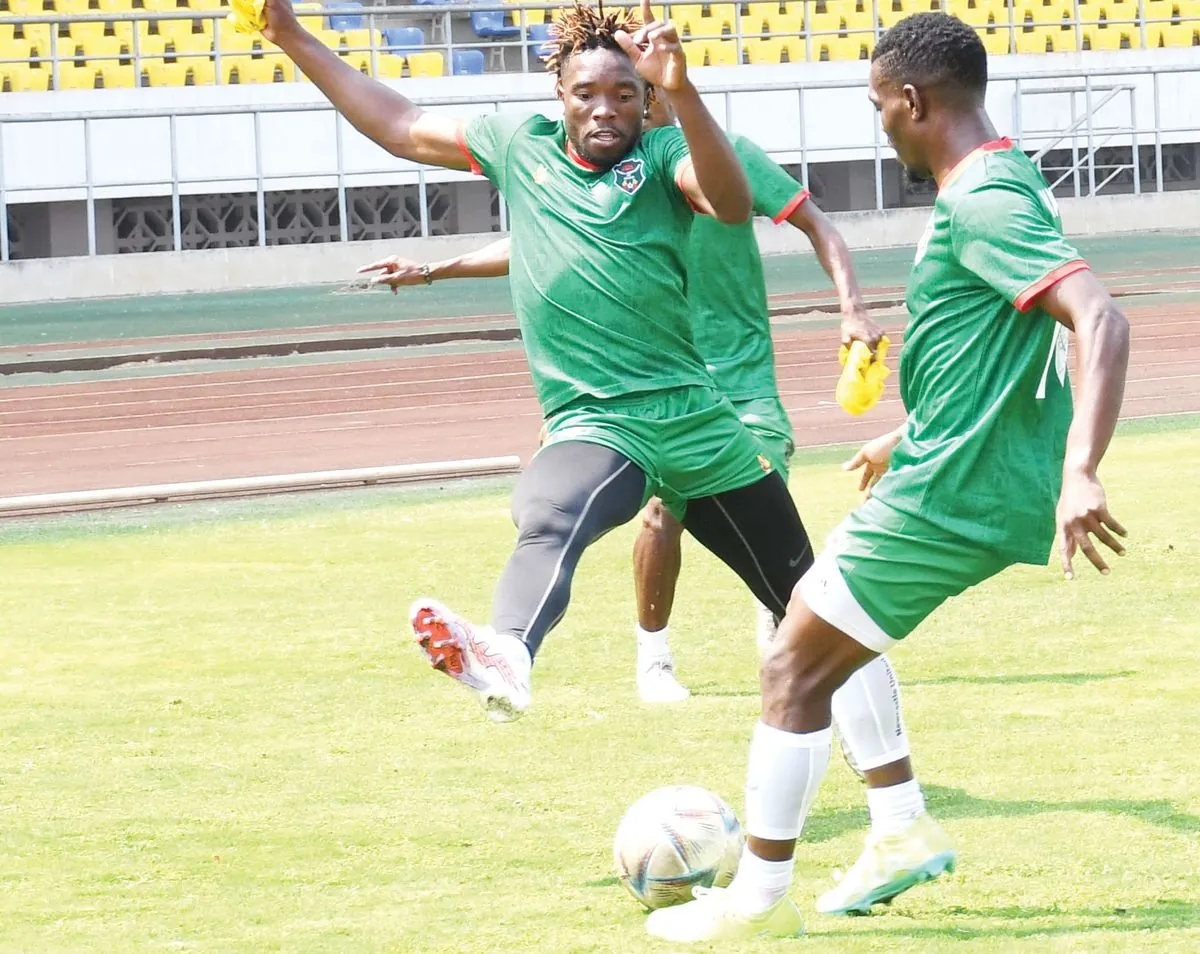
378 411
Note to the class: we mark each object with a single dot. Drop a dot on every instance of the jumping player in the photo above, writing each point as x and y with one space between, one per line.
728 300
988 463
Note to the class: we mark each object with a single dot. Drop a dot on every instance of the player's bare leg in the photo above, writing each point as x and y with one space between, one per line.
657 557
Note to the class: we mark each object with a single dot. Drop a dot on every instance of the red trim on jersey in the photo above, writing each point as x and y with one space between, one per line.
793 204
1026 299
681 167
460 136
996 145
576 158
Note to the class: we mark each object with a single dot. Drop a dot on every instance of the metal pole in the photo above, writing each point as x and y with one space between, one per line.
1018 119
803 140
176 211
91 189
728 112
423 200
1135 151
343 205
55 74
4 251
1074 148
216 49
448 33
1087 86
524 42
1158 172
258 172
1142 23
374 50
878 169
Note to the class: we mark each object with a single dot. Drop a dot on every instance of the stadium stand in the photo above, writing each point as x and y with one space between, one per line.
186 42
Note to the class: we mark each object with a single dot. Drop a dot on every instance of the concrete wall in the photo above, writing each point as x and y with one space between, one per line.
247 268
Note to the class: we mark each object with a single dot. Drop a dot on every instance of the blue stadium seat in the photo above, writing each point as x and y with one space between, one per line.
467 63
542 44
403 40
490 24
345 21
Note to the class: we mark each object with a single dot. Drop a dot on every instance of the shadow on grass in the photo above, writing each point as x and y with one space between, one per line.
950 803
964 923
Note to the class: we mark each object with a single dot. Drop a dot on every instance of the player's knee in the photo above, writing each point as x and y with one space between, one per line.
541 518
658 520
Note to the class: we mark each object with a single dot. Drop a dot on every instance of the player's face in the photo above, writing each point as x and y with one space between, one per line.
900 118
603 101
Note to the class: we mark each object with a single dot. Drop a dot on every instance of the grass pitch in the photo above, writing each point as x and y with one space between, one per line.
215 737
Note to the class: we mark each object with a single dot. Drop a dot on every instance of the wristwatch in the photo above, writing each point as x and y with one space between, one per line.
425 274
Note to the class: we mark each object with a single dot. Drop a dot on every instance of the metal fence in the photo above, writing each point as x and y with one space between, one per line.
1084 134
525 34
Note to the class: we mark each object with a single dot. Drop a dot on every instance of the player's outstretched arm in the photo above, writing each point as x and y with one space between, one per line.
714 180
377 111
491 261
834 257
1081 303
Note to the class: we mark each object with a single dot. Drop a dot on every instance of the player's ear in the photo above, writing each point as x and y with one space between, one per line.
558 90
914 100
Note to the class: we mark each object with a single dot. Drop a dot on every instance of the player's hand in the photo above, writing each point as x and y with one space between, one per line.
396 272
281 21
857 325
874 457
1082 514
656 52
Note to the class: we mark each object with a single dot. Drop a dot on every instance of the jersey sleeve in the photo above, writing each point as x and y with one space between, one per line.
667 152
485 141
1010 238
776 194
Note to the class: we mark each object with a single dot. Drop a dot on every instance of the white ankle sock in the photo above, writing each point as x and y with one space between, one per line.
652 644
760 884
896 807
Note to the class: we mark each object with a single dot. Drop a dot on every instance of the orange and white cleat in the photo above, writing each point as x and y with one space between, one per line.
495 665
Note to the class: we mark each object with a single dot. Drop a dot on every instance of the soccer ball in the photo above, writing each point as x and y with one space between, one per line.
673 839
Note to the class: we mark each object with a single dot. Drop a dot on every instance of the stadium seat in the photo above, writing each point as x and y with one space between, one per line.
492 24
403 40
790 21
760 52
76 77
354 40
723 53
82 32
388 66
116 76
37 34
759 18
349 17
26 80
541 42
466 62
695 52
792 49
686 16
432 63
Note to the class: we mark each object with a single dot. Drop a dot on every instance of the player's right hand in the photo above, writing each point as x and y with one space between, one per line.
396 271
656 51
874 457
281 20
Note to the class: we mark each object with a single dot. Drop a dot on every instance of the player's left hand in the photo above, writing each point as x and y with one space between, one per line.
656 52
857 325
1082 514
396 271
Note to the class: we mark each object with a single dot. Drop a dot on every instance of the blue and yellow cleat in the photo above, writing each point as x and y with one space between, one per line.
889 866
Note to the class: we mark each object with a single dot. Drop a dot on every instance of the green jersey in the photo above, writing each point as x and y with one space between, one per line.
726 289
597 269
983 374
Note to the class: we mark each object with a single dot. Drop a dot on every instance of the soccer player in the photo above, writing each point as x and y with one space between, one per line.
732 328
989 461
728 300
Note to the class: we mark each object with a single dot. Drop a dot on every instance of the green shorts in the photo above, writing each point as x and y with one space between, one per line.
766 419
882 572
688 441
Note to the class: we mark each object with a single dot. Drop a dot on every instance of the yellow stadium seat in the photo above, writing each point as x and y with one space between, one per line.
247 69
720 19
837 48
217 5
389 66
723 53
1113 38
685 17
758 18
194 43
114 6
116 76
1172 35
76 77
695 52
21 8
33 33
241 43
763 51
995 41
160 6
1038 40
791 49
789 22
26 80
354 40
173 28
430 63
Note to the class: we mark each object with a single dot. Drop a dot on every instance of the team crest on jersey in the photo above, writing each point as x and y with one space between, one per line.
540 175
629 174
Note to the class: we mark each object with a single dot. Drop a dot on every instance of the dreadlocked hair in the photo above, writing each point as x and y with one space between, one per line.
584 28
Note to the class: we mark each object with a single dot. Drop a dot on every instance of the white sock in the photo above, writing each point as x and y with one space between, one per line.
782 779
896 807
759 884
652 644
866 711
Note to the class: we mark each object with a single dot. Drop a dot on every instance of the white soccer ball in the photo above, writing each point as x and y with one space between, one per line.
673 839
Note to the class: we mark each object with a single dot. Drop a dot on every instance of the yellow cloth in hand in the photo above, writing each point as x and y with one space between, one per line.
863 374
246 16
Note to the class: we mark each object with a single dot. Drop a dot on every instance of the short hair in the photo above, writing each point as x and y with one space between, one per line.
934 49
583 28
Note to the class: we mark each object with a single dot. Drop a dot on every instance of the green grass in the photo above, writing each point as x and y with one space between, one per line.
213 737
